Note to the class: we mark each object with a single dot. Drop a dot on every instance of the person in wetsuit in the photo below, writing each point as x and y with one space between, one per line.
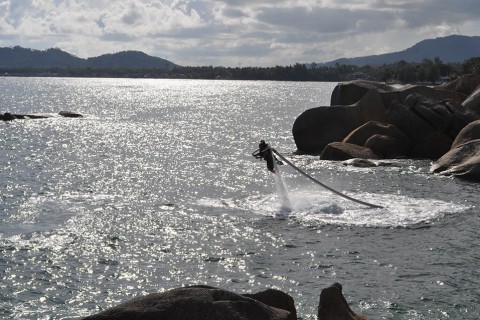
267 155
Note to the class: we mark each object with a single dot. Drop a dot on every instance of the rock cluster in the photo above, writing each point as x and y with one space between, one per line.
372 120
205 302
7 116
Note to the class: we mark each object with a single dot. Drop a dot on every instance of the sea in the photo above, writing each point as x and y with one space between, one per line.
156 188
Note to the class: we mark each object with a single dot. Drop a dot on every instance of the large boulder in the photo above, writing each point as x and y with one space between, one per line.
428 141
463 160
340 151
385 140
193 303
347 93
333 306
277 299
317 127
469 133
473 101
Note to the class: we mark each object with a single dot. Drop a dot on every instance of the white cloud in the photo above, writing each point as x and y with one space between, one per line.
250 32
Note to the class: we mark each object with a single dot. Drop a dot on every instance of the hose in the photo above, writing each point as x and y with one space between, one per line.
323 185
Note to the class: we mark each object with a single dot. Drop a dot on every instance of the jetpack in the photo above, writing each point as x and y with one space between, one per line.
267 153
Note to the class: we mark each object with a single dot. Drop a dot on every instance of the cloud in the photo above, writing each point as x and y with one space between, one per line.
250 32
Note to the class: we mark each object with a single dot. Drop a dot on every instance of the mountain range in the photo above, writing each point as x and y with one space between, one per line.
18 57
449 49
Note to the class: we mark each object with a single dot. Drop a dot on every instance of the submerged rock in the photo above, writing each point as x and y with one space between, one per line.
333 306
360 163
202 302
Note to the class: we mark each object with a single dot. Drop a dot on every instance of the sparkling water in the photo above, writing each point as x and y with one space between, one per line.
156 188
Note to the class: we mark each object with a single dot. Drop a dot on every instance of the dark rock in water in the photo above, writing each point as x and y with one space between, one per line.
360 163
344 151
194 303
70 114
333 306
317 127
277 299
7 116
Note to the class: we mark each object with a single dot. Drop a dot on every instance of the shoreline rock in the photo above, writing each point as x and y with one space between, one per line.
372 120
206 302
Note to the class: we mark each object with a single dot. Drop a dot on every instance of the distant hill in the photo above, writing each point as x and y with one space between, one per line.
449 49
18 57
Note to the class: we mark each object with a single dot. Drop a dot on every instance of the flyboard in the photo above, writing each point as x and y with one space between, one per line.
266 152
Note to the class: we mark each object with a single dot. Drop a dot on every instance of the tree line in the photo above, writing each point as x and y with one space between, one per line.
427 71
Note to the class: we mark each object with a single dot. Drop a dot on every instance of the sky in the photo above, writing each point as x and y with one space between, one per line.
234 33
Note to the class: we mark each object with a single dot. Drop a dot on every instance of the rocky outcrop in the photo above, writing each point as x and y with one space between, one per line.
463 160
347 93
333 306
7 116
203 302
417 121
317 127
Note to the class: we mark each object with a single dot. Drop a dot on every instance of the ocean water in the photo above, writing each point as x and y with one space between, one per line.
156 188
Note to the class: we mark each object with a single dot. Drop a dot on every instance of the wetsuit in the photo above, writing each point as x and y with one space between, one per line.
267 155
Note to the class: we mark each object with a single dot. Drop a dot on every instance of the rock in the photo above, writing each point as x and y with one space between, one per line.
360 163
410 123
461 116
473 101
465 84
70 114
7 117
344 151
431 146
386 147
462 162
390 142
333 306
38 115
347 93
469 133
317 127
193 303
277 299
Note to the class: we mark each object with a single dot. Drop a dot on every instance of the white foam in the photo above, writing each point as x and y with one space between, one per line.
325 208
